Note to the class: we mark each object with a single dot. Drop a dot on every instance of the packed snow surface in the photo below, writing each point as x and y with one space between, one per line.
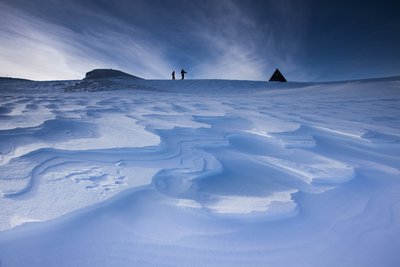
199 173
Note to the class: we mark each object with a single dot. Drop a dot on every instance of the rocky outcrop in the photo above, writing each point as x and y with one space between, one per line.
108 74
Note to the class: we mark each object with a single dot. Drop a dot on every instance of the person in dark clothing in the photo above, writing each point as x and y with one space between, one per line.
173 75
183 72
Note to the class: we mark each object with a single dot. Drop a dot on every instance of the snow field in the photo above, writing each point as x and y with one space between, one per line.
200 173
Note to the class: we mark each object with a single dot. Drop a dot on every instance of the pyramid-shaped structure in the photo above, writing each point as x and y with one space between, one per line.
277 77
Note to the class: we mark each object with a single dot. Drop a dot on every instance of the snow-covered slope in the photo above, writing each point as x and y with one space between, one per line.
123 172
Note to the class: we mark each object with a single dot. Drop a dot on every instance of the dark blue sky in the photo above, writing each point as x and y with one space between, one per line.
308 40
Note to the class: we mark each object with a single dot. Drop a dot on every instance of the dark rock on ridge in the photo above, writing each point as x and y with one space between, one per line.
107 74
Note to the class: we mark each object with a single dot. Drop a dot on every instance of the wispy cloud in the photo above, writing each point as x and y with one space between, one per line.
210 39
241 46
230 39
31 47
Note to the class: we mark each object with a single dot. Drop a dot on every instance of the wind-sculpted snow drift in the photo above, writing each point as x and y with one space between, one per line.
199 173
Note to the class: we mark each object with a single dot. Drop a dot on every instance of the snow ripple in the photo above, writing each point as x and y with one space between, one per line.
196 166
189 179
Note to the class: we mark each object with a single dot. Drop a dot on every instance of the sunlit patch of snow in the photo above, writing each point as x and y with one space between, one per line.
18 220
244 205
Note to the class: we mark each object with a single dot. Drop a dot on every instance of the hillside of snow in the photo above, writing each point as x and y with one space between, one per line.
128 172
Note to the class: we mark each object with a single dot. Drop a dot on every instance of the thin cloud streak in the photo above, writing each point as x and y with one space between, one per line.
34 49
233 44
31 48
212 39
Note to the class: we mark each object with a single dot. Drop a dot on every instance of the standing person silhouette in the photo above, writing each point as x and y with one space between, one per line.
173 75
183 72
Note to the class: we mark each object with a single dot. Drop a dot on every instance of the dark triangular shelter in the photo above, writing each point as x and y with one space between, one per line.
277 77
